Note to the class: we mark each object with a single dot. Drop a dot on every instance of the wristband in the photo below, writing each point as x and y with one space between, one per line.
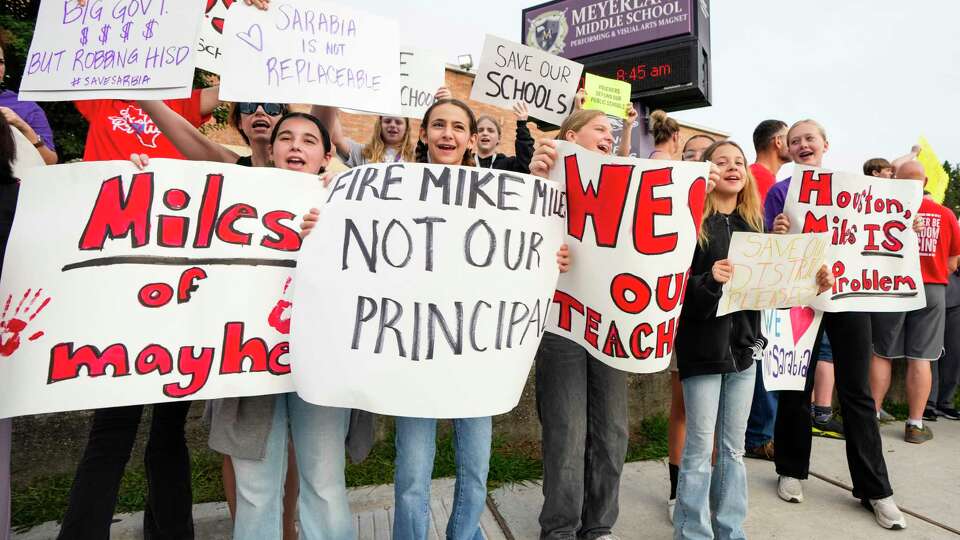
39 143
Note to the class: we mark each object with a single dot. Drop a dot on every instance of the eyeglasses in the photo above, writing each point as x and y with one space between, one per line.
272 109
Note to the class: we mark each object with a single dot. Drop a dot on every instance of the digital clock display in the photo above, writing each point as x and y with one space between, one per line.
648 70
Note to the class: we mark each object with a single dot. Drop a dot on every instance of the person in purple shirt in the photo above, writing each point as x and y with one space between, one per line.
27 117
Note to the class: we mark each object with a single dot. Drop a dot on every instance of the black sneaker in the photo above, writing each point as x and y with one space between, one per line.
930 415
831 429
949 414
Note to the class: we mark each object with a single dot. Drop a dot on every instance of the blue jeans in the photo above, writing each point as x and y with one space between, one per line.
318 435
763 414
713 503
416 448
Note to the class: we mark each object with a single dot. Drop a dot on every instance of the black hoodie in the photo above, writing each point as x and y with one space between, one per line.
707 344
519 163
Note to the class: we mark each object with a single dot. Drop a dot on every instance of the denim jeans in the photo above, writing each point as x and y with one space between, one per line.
712 500
763 414
5 439
416 448
318 435
582 404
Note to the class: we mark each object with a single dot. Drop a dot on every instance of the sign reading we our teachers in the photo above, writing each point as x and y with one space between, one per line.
424 289
117 50
791 335
874 255
307 51
632 230
124 287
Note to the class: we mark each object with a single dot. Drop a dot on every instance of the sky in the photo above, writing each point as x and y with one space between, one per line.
876 73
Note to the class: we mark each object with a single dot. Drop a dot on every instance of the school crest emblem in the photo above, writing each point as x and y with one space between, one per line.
548 31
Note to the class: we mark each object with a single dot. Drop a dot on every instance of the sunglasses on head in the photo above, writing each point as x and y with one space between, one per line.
272 109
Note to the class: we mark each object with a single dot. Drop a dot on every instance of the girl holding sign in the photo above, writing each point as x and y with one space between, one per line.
851 339
489 131
392 140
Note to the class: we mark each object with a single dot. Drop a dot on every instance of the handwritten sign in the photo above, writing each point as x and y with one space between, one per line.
510 72
306 51
791 335
608 95
117 48
425 289
210 41
123 287
631 227
27 154
422 71
773 270
874 257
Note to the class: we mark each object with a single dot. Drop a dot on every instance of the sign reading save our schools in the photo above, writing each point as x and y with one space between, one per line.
307 51
791 335
424 289
111 49
510 72
632 228
125 287
874 254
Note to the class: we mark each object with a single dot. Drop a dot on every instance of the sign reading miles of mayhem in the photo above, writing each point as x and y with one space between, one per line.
112 48
306 51
874 254
632 229
424 289
125 287
510 72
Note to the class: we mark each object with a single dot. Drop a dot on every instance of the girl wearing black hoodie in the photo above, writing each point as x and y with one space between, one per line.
717 360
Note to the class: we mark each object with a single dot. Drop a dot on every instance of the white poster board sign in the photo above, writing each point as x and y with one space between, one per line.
632 229
27 155
122 287
510 72
307 51
875 255
210 40
424 290
114 47
773 270
422 72
791 335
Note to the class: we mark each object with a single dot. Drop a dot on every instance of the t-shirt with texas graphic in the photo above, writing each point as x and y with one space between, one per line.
939 240
119 128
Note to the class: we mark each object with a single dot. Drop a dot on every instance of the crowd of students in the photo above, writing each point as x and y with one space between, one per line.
284 458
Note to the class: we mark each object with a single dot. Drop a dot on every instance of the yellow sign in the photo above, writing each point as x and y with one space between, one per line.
937 177
608 95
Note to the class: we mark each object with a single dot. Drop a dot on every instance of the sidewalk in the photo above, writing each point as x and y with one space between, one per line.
926 481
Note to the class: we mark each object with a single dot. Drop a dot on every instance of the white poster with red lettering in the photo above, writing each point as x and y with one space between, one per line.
874 254
632 230
210 40
124 287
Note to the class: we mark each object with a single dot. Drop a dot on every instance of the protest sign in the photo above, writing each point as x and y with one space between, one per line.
424 290
422 72
306 51
622 296
791 335
210 40
510 72
27 154
123 287
874 254
773 270
118 48
608 95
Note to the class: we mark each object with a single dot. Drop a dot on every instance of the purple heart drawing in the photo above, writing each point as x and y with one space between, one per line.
253 37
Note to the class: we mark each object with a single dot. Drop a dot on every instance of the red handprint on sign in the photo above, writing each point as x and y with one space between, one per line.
11 329
280 314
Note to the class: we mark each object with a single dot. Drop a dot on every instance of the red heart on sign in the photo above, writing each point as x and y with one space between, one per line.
800 320
695 200
217 23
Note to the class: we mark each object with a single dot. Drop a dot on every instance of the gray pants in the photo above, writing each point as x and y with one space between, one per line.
582 404
6 426
946 372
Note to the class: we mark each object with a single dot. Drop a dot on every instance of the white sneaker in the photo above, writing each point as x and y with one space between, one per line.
789 489
671 504
887 514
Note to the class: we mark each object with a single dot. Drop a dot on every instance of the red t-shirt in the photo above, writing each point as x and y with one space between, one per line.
765 180
119 128
939 240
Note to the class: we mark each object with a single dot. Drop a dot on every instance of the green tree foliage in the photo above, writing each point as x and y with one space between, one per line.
952 197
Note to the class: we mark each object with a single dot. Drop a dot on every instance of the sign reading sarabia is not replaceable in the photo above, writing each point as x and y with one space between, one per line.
123 287
307 51
510 72
773 270
112 50
622 296
424 290
875 256
422 72
791 335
